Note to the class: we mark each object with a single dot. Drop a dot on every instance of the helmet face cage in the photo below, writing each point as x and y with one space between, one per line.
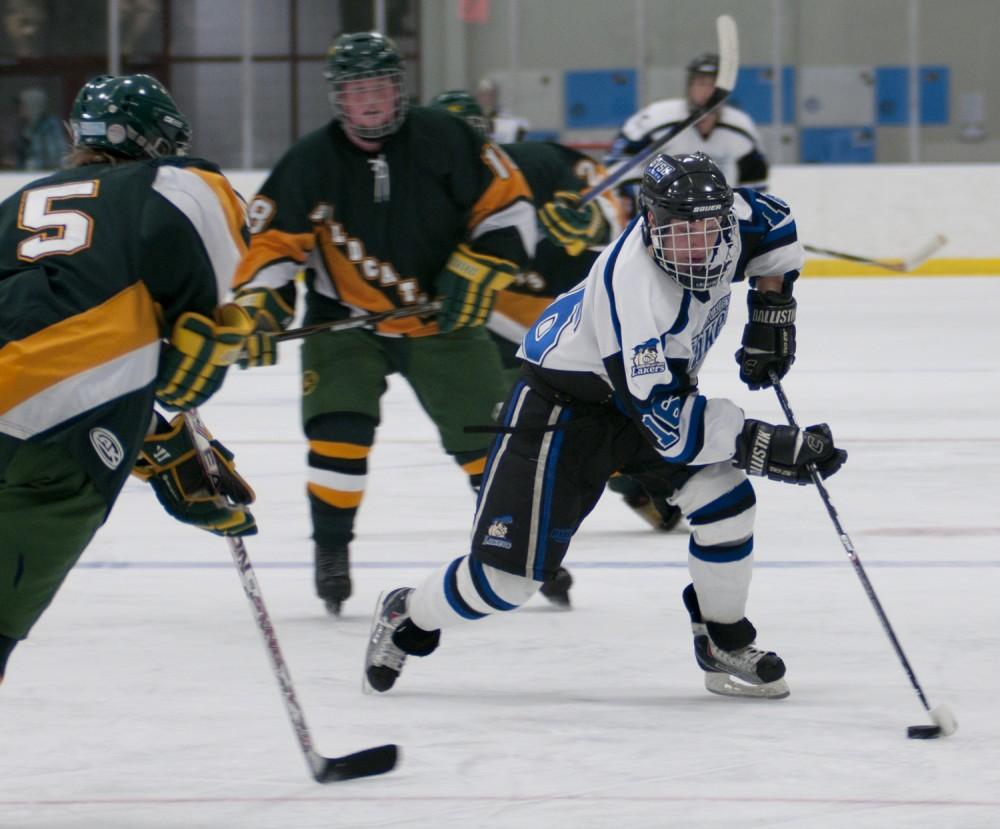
356 96
698 254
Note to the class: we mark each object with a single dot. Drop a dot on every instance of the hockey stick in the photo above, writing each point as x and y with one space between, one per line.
905 266
944 720
729 63
364 763
358 322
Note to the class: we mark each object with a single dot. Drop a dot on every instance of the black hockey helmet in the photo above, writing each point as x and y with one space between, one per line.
688 210
358 64
129 115
707 63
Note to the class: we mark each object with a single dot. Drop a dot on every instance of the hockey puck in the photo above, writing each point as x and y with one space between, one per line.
923 732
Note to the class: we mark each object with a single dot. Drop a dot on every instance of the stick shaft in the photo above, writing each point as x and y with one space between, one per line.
358 322
848 545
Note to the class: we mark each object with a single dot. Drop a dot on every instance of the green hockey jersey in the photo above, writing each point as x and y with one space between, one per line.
373 230
548 168
96 264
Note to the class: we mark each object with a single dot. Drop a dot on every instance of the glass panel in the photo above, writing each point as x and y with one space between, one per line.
214 27
209 94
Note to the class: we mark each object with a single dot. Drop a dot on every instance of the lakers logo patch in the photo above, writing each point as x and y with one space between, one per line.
310 380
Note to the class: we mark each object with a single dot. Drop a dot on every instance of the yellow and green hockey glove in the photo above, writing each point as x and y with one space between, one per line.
468 286
575 228
170 462
270 314
194 363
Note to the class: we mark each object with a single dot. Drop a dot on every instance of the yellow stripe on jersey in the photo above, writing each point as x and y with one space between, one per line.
335 449
353 289
40 362
270 247
335 497
475 467
232 205
523 309
507 187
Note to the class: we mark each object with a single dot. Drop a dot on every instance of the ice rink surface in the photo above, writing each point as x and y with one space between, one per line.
144 697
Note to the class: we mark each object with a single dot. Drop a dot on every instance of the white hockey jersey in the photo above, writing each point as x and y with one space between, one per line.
733 143
635 328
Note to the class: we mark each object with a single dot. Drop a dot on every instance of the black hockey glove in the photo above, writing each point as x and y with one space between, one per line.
782 453
768 338
169 462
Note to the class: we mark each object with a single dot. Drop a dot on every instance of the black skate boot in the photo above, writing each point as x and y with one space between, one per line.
333 577
393 637
733 666
653 509
7 645
556 589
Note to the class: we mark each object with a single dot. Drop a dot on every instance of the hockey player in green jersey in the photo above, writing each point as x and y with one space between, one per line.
386 206
111 273
572 240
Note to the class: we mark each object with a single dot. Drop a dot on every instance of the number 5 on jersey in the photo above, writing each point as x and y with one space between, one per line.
59 231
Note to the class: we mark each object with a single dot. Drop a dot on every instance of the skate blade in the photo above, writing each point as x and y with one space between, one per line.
728 686
365 687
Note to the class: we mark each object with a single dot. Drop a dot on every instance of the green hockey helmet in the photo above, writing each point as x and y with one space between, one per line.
128 115
367 84
461 103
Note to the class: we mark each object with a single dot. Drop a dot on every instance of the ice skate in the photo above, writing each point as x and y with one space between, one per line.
392 638
333 577
556 589
653 509
734 668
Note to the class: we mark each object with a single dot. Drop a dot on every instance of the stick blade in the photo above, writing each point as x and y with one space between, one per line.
729 52
367 763
925 253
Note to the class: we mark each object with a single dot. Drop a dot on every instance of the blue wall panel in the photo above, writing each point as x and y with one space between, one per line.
892 95
601 98
755 95
837 145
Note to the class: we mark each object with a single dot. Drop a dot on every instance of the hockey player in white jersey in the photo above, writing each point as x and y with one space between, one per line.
611 382
728 136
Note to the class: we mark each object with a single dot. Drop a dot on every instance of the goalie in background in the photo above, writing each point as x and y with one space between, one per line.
728 136
610 382
118 309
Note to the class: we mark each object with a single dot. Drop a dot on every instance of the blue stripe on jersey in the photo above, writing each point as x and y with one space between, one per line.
494 447
695 432
681 322
737 500
452 594
548 487
609 269
720 554
484 588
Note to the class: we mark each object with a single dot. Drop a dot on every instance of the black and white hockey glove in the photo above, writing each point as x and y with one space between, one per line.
768 338
169 462
783 453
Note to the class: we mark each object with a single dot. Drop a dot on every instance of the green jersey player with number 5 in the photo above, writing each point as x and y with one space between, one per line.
111 272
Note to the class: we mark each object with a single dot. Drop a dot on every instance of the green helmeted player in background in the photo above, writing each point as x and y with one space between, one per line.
571 241
385 207
111 272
